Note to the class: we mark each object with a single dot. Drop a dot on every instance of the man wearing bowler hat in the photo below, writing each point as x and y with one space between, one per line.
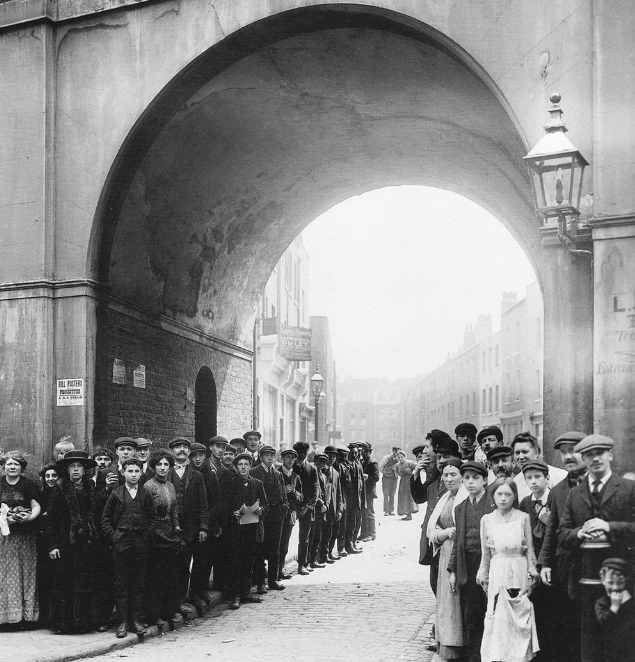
191 499
308 476
269 548
601 508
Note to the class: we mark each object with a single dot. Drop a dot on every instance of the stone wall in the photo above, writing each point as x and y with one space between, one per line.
172 359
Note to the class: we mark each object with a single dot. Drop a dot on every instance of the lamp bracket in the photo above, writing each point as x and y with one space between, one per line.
569 240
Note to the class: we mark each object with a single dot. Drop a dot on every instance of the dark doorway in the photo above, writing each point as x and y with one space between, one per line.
204 407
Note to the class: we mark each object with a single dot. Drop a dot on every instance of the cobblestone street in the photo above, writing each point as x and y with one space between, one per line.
373 607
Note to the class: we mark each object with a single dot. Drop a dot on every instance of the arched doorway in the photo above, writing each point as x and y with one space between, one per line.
205 406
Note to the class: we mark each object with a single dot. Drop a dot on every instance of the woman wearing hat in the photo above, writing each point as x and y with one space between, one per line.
71 530
19 507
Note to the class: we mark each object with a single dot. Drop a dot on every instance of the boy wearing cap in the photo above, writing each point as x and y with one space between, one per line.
293 489
127 522
465 434
269 548
615 611
601 508
465 558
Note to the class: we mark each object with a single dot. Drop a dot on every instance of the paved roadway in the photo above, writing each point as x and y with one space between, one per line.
373 607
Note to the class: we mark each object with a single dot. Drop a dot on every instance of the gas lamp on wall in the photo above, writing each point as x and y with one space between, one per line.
317 381
556 168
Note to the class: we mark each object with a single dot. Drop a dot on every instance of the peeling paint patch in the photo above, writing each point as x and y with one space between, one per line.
545 65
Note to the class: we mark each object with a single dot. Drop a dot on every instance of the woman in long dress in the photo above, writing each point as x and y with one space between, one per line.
71 534
404 468
19 507
441 533
508 562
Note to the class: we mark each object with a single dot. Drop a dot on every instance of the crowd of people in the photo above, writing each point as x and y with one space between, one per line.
527 561
137 535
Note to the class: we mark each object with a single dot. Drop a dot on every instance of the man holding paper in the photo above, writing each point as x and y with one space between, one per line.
245 506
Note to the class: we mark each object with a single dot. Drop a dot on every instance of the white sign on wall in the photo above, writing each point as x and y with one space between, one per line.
139 376
70 392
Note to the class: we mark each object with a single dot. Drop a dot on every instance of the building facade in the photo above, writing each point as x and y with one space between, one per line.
325 414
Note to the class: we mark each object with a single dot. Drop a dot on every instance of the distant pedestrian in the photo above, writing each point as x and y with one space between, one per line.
389 480
404 470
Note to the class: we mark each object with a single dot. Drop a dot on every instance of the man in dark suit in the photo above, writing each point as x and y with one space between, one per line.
430 490
252 442
356 501
310 491
293 489
371 478
334 506
320 460
111 477
273 521
340 522
343 467
144 448
191 499
466 554
242 491
600 509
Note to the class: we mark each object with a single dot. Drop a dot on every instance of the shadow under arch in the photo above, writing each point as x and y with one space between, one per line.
205 407
194 284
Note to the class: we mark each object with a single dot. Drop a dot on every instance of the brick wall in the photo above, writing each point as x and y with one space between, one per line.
165 407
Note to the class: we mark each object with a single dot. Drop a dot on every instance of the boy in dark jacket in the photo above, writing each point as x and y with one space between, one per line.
127 522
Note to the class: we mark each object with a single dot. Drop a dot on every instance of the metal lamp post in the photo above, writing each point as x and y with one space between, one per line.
557 168
317 381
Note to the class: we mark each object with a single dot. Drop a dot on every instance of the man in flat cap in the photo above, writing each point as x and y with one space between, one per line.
113 476
217 447
371 478
252 442
335 507
322 504
465 434
144 448
269 548
601 508
191 499
389 480
527 449
488 438
501 463
307 473
554 560
357 500
293 490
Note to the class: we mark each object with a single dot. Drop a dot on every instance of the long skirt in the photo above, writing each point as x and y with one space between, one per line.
18 577
405 504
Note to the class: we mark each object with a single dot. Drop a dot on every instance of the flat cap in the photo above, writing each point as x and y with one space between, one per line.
301 446
343 449
252 432
321 456
354 444
243 456
499 451
132 460
536 465
237 440
594 442
437 436
179 440
489 430
448 445
230 448
288 451
418 449
267 449
142 442
128 441
474 466
198 448
219 440
572 437
466 428
618 564
396 448
330 449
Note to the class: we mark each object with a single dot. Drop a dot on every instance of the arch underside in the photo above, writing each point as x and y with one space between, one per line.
283 134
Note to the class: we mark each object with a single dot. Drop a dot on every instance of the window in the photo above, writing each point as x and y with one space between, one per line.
491 407
352 421
497 356
484 359
490 358
393 434
496 402
538 386
363 420
484 402
393 414
474 403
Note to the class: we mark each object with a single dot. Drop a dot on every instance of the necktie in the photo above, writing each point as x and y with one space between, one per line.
537 506
596 487
539 529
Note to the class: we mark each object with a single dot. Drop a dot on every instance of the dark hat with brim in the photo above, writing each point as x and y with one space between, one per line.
243 456
198 448
288 451
490 430
620 565
448 446
594 442
572 437
128 441
75 456
321 456
330 449
132 460
498 451
230 448
250 433
466 428
536 465
267 449
180 440
301 446
142 442
218 440
418 449
477 467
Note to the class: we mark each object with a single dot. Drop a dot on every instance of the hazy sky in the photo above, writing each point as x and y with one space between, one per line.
401 271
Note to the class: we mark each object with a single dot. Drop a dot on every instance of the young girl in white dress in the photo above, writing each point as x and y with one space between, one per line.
507 574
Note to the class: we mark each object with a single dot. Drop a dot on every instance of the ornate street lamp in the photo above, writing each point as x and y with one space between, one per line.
317 381
556 167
